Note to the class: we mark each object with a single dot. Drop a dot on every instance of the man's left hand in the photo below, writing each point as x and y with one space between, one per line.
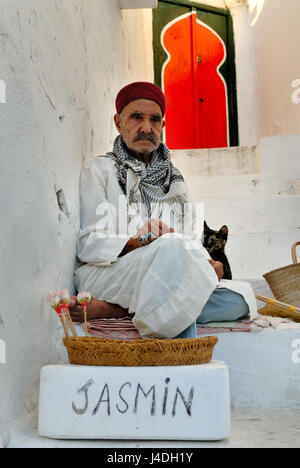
218 267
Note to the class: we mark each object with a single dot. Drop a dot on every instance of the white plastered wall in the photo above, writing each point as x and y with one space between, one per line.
276 36
138 50
62 63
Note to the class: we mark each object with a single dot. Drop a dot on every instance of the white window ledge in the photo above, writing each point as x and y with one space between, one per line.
128 4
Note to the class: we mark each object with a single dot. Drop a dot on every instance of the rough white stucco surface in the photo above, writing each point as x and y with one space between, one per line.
276 36
63 63
124 4
138 50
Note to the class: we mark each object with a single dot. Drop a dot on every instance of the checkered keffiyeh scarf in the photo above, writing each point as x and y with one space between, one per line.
158 181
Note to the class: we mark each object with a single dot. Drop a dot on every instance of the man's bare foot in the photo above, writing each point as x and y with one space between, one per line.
96 309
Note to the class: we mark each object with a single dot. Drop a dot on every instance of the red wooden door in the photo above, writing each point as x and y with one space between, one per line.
196 92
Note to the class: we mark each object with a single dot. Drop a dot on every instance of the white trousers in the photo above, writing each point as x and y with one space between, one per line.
165 284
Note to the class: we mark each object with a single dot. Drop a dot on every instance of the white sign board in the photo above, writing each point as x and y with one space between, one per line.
158 403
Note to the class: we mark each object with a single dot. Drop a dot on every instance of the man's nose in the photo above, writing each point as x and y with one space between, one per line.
146 126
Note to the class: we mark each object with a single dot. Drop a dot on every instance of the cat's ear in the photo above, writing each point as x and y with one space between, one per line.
224 232
206 228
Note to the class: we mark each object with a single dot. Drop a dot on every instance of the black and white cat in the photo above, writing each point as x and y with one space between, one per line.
214 242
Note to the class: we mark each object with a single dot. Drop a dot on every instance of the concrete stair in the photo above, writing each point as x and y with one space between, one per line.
250 428
264 390
255 191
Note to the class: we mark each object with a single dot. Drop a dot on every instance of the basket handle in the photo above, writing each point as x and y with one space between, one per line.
294 255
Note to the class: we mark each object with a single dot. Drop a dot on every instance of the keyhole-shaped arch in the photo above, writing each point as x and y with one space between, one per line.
196 92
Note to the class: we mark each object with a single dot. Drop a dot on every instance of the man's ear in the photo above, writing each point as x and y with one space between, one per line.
117 120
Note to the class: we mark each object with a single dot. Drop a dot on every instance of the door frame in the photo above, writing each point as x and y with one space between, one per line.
231 81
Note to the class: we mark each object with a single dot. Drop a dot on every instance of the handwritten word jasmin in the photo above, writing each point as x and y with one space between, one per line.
130 398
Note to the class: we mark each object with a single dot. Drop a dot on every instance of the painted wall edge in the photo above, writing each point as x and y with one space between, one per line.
133 4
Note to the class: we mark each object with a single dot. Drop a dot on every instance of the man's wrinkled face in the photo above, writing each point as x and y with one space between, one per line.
140 124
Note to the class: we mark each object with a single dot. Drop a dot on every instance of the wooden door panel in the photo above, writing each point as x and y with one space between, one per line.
196 93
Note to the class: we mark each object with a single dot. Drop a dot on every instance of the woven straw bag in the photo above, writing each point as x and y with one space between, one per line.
285 282
94 351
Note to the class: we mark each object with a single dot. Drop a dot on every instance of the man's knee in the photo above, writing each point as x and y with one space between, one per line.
239 307
224 305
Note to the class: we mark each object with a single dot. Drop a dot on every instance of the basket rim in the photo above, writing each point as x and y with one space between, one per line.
137 353
139 340
114 346
293 266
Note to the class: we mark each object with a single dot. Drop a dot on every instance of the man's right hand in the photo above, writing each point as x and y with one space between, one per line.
155 227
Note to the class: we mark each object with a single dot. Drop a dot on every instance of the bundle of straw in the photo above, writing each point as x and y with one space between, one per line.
278 308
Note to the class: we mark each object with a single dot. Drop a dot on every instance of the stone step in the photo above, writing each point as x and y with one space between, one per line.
247 185
264 381
250 428
264 367
271 168
252 255
279 157
240 160
249 215
260 234
274 155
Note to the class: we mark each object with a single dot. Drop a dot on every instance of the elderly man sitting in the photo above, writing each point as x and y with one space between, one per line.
133 261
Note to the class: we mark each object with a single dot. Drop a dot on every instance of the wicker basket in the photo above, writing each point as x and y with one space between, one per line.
94 351
285 282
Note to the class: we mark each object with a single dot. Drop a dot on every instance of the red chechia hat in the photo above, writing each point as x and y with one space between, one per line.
140 90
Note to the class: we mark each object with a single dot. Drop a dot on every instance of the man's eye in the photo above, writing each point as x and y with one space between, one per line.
155 119
136 116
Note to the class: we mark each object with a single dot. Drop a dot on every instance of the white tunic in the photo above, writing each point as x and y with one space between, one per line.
165 284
